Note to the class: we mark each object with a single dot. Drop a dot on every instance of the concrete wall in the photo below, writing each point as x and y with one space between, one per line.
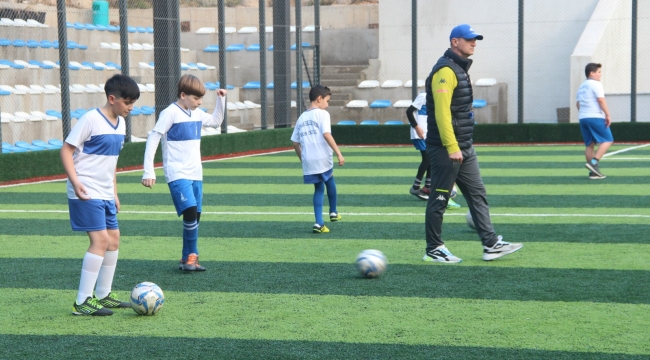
550 37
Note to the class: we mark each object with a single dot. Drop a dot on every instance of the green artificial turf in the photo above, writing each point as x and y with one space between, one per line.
579 288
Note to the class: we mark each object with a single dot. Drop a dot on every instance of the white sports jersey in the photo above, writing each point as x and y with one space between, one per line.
420 103
180 131
588 95
98 144
309 130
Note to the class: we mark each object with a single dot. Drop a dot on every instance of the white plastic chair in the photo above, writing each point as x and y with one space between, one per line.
147 46
206 30
42 89
184 49
105 45
135 46
7 117
402 103
35 23
209 67
115 46
391 84
20 22
12 90
51 63
368 84
104 66
27 89
6 22
78 64
144 65
231 106
309 28
240 105
247 30
150 87
26 64
357 104
77 89
44 116
409 83
56 89
252 105
94 87
142 88
486 82
268 29
26 116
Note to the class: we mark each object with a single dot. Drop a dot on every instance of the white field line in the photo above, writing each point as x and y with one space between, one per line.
625 150
346 214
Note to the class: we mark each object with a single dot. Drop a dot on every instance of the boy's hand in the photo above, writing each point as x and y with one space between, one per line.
80 191
222 92
149 183
420 132
117 203
608 121
341 160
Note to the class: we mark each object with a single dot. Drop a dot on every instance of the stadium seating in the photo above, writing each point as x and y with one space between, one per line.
309 28
252 105
270 85
268 29
26 64
346 122
253 47
305 84
211 48
55 142
394 122
402 103
252 85
478 103
369 122
391 84
357 104
27 146
380 104
8 148
486 82
368 84
235 47
304 45
247 30
44 145
409 83
206 30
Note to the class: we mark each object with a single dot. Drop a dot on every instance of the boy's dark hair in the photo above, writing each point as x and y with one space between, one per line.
591 67
190 85
319 90
122 87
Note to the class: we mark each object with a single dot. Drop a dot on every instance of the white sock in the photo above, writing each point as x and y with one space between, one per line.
106 272
89 272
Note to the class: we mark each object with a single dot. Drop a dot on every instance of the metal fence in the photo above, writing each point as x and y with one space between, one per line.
374 55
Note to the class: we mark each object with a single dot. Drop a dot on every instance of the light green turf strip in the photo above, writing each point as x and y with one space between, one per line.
536 189
609 328
578 157
332 250
415 216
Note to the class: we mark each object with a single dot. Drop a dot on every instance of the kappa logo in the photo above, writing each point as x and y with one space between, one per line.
443 81
183 198
441 198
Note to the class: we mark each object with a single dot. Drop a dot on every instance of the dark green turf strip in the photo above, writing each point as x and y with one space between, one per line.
406 180
574 233
116 347
435 281
479 151
370 200
382 165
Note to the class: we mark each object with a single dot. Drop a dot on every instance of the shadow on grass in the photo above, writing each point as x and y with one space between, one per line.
120 347
401 280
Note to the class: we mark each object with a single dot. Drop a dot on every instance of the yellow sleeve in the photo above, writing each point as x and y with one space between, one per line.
442 87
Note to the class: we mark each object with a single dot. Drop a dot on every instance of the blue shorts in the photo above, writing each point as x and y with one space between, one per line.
594 131
316 178
185 194
419 144
92 215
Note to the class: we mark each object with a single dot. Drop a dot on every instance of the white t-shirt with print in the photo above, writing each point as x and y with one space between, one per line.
309 130
420 103
588 94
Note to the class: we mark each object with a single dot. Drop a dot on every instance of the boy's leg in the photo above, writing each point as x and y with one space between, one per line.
589 152
602 150
319 194
91 265
330 184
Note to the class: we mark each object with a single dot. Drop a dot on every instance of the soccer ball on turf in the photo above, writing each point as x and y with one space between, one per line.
371 263
147 298
470 220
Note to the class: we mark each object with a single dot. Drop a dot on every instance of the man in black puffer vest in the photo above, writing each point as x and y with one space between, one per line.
449 147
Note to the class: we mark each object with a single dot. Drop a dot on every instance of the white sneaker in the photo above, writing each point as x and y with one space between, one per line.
441 254
501 248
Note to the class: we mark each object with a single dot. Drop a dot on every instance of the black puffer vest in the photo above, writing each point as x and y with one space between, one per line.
461 102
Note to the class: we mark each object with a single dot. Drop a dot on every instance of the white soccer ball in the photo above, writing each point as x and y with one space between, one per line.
371 263
147 298
470 220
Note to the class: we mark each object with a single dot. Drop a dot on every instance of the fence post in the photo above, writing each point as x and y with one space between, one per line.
167 52
298 59
63 67
633 64
281 64
317 41
520 65
414 49
124 55
263 62
221 18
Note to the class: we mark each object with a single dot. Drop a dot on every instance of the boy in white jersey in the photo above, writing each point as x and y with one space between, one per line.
179 127
313 142
89 156
594 119
418 134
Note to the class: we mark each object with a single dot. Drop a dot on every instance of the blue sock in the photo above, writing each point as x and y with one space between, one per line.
331 194
594 161
319 193
190 238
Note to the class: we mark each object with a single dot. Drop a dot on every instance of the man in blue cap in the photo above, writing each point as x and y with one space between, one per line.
449 148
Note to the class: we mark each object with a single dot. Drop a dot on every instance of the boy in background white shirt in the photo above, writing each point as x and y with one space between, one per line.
594 119
314 145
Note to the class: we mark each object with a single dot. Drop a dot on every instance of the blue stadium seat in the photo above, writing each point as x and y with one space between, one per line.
44 145
12 64
132 29
141 29
270 48
380 104
346 122
54 113
113 28
211 86
235 47
28 146
18 43
478 103
200 67
47 44
55 142
228 87
69 24
32 44
79 26
149 30
90 27
136 111
252 85
4 93
7 147
101 27
93 66
253 47
5 42
271 85
110 63
394 122
305 84
370 122
184 67
147 110
304 45
211 48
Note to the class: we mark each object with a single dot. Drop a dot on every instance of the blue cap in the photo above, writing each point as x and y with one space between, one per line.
464 31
